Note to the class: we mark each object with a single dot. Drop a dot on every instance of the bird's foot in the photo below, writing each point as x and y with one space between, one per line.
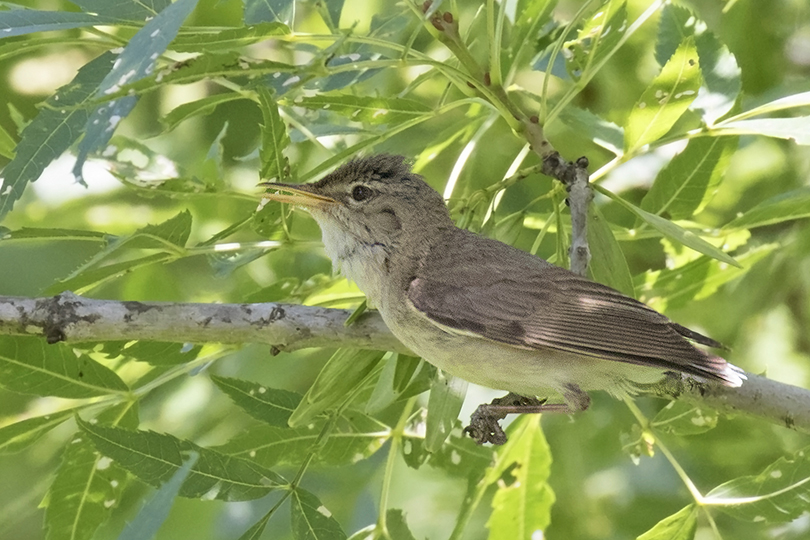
484 426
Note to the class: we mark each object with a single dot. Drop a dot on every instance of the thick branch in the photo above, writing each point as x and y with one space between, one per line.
287 327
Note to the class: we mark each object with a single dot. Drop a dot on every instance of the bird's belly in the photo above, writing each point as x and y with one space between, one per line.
530 372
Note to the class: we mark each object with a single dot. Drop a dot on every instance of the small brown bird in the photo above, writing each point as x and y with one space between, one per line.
485 311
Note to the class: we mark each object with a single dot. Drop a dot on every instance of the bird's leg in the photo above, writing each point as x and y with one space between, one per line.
484 426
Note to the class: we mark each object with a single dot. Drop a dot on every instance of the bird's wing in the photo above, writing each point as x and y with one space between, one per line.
482 287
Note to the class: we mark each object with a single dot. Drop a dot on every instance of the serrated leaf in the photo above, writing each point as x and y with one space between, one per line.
608 264
20 435
679 526
689 181
94 276
275 165
666 99
311 520
446 398
155 457
18 22
355 437
160 353
784 207
681 418
797 128
372 110
269 405
777 495
201 107
136 61
31 366
57 126
60 234
88 486
698 279
156 509
342 373
522 504
721 75
231 38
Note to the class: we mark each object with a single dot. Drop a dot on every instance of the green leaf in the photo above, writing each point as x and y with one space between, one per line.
679 526
18 22
149 519
258 11
784 207
698 279
342 373
522 504
372 110
136 61
155 457
590 126
268 405
57 126
20 435
31 366
597 40
397 525
232 38
140 11
674 231
681 418
354 438
445 401
161 353
7 144
721 74
778 494
665 100
201 107
690 180
797 128
88 279
608 264
802 99
311 520
275 165
88 486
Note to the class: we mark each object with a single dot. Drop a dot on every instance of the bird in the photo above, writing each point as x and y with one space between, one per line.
488 312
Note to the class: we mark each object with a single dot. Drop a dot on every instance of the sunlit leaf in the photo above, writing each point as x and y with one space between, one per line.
597 39
588 125
666 99
311 520
231 38
31 366
25 21
20 435
777 495
689 181
522 505
275 165
679 526
797 128
155 457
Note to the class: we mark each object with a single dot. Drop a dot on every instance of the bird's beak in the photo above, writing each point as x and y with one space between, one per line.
298 194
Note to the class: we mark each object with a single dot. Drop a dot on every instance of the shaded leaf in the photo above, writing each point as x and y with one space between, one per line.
598 38
140 10
797 128
155 457
200 107
259 11
681 418
372 110
784 207
269 405
311 520
57 126
446 398
31 366
666 99
7 144
397 525
231 38
18 22
275 165
590 126
608 265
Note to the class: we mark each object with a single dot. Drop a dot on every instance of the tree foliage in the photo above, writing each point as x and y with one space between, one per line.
132 140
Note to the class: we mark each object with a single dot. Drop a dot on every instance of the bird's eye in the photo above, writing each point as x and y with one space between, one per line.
361 193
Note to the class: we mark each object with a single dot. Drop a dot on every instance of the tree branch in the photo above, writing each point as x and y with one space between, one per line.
288 327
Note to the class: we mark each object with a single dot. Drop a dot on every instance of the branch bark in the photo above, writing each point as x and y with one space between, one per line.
288 327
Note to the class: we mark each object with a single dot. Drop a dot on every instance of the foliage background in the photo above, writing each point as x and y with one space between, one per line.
197 166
